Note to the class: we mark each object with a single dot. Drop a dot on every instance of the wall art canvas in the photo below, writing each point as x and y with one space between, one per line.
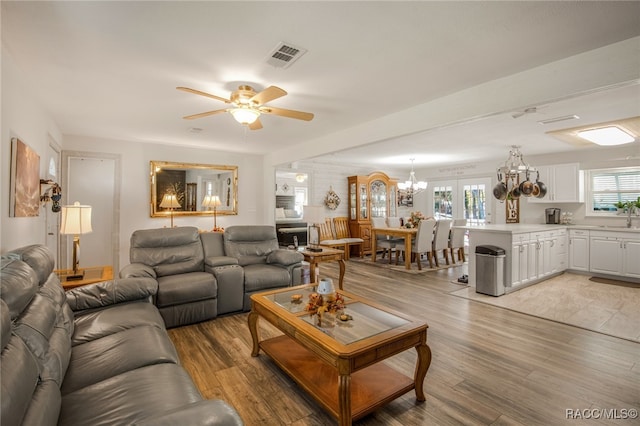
25 180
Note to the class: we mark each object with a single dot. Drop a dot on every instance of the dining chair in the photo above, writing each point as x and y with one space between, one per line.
327 237
343 233
383 241
441 239
393 222
456 240
421 243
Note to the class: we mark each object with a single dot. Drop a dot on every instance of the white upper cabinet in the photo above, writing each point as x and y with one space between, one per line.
565 184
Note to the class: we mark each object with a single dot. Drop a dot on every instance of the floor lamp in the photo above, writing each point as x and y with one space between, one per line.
170 201
313 215
210 201
76 220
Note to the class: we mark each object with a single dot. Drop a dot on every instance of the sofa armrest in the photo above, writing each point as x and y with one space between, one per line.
107 293
138 270
215 261
203 413
284 257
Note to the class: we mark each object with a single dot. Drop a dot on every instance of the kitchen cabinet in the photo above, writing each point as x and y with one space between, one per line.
614 253
537 255
579 250
564 182
370 196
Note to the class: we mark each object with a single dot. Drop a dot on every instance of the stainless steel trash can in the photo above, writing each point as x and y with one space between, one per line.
490 270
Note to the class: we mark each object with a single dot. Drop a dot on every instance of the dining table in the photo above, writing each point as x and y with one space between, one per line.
406 233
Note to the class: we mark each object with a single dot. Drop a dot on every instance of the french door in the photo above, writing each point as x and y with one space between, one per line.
463 199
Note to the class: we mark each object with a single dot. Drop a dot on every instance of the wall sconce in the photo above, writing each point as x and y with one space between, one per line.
52 193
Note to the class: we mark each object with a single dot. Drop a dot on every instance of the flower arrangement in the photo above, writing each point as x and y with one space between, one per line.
415 219
319 304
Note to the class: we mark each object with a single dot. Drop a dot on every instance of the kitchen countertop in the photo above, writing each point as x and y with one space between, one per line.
518 228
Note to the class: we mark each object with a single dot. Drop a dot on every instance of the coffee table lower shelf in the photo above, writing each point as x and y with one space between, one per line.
371 387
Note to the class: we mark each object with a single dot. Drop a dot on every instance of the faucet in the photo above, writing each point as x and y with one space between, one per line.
630 210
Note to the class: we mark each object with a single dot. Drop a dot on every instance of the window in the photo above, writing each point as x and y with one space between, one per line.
301 199
610 186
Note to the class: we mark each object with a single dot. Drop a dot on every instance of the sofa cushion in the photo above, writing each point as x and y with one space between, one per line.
250 244
39 258
19 284
127 398
94 325
285 257
168 251
102 358
184 288
262 277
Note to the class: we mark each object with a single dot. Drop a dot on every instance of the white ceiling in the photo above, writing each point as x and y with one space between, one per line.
110 69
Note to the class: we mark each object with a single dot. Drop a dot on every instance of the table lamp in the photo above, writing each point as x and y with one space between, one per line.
76 220
313 215
170 201
212 201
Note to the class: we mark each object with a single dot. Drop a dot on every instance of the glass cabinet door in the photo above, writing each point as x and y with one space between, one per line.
378 199
363 202
353 197
393 202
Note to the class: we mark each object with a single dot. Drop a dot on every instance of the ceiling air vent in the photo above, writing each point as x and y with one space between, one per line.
284 55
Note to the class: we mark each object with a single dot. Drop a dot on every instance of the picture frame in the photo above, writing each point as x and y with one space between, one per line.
24 190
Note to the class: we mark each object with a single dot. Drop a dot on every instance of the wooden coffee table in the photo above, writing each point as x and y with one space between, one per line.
340 365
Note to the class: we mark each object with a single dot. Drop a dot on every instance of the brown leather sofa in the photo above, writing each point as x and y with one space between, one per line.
96 355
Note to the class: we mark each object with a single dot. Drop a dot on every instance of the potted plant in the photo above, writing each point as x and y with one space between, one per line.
621 205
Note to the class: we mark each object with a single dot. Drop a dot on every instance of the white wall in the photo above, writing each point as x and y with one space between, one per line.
135 193
22 117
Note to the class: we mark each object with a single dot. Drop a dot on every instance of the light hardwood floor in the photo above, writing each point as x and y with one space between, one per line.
491 366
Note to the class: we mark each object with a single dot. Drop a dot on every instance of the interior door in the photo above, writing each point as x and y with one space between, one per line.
93 179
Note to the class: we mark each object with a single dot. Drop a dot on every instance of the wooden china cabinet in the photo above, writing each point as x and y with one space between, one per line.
370 196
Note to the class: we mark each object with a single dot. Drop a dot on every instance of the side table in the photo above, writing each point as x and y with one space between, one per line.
92 275
326 255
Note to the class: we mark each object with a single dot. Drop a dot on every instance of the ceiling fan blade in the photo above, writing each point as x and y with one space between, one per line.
204 114
256 125
208 95
268 94
299 115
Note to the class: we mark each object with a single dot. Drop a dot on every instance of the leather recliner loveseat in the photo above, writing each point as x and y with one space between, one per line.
203 275
96 355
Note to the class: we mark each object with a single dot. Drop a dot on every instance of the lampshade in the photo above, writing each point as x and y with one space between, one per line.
170 201
76 219
313 214
211 201
245 115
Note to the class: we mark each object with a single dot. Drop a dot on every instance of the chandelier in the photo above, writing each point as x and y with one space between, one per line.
514 178
412 186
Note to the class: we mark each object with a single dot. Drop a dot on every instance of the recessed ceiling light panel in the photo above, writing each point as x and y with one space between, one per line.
607 136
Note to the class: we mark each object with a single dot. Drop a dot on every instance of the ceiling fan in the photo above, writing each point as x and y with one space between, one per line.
247 105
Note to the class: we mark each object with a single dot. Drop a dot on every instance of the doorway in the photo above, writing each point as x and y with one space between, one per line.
94 179
462 199
51 218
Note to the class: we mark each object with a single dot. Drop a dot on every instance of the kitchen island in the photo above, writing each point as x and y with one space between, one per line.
534 253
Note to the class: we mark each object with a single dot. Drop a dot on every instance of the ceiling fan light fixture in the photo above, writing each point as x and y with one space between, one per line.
607 136
245 115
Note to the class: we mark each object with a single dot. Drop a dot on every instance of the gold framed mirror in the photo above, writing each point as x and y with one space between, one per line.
189 184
